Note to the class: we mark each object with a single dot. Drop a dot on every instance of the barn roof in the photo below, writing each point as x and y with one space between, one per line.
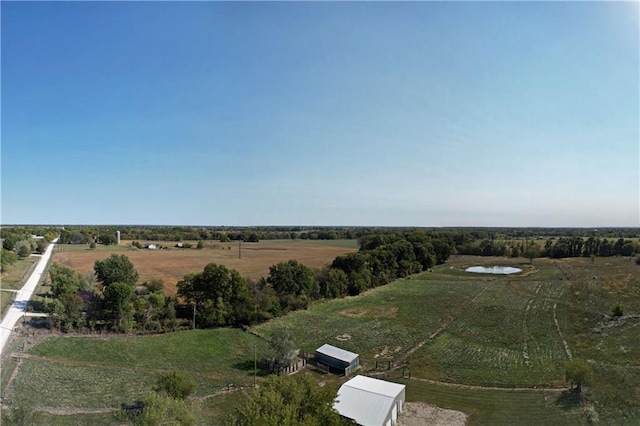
337 353
367 400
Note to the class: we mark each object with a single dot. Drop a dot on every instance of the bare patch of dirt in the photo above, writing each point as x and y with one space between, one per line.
421 413
370 312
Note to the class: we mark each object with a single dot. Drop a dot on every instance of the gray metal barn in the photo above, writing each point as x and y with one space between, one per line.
344 361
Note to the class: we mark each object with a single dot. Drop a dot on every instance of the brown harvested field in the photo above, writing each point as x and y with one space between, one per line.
172 264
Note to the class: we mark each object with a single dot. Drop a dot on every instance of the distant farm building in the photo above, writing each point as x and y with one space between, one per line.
151 246
370 402
344 361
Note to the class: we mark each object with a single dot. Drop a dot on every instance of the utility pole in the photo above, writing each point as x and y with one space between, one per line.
194 315
255 364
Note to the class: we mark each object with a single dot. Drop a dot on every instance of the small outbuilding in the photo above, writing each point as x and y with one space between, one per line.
344 361
370 402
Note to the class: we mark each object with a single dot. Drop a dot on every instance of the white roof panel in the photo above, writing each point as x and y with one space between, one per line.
337 353
378 386
366 400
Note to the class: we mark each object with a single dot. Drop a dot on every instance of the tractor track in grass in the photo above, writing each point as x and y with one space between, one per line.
495 388
69 411
447 322
88 364
564 342
525 329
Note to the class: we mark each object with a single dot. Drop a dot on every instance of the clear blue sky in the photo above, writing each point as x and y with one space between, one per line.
407 114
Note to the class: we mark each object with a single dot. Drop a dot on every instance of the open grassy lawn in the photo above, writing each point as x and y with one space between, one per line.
491 346
93 373
13 279
499 407
496 331
172 264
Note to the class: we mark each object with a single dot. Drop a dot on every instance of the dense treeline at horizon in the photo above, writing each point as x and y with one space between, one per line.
81 234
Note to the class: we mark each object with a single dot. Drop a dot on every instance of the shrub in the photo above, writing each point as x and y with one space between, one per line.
175 384
618 310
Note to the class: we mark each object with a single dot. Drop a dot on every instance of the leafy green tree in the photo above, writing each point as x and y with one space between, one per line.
289 401
41 245
107 239
292 279
7 259
64 280
115 268
159 409
72 309
578 373
282 345
219 295
531 252
118 304
9 242
23 248
155 285
176 385
92 245
334 284
55 309
200 245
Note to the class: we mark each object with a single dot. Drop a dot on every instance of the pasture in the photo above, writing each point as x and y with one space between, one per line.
491 346
172 264
88 378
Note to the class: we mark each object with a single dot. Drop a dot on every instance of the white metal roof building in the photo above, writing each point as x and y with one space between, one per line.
337 358
370 402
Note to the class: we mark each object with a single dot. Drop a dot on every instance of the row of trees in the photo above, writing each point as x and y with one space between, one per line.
554 248
112 299
219 296
592 246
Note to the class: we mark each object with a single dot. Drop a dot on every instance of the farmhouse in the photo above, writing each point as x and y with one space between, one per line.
370 402
344 361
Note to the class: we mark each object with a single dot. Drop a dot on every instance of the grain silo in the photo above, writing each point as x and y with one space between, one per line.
118 237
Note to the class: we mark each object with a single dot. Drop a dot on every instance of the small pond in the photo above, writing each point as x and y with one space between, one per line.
502 270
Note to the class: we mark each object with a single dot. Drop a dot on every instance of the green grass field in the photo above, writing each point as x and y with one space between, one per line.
93 373
493 347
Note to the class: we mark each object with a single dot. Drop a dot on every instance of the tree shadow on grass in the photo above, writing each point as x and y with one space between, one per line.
569 400
36 306
249 366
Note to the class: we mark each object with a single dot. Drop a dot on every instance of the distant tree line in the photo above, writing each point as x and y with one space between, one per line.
19 243
553 248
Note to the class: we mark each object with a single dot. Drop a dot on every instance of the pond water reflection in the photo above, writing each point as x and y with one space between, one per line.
502 270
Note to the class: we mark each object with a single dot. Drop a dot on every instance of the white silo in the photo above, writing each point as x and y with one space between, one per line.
118 237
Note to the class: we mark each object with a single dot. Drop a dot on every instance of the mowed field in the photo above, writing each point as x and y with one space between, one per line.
172 264
493 347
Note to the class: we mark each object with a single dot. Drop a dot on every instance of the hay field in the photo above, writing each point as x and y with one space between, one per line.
172 264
